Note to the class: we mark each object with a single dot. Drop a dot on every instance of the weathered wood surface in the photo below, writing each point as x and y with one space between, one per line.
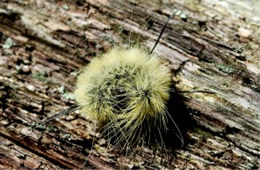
211 45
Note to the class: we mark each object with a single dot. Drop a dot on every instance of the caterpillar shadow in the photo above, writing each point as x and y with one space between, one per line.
181 122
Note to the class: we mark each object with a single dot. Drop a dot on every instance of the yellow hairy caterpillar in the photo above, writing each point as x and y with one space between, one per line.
127 90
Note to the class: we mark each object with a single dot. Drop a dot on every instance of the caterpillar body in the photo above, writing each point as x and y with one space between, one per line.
126 89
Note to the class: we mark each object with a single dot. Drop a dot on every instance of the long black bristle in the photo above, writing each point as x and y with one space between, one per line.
63 112
159 37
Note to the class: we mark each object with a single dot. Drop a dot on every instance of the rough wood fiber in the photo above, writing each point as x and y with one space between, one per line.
210 45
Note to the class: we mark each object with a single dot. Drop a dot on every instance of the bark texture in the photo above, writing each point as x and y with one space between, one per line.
210 45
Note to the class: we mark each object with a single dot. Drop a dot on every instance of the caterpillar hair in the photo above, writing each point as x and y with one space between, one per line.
126 90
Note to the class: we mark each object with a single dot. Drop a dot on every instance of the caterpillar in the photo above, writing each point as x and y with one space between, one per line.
126 90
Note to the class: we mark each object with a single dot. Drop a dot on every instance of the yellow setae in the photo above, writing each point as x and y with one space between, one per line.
126 89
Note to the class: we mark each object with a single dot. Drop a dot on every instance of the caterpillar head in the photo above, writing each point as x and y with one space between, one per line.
126 89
